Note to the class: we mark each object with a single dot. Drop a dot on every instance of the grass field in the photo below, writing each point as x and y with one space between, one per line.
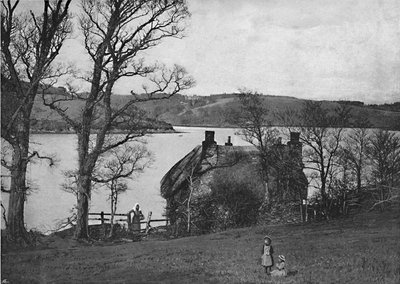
360 249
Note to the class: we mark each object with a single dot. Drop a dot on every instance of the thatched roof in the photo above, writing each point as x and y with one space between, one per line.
199 162
172 180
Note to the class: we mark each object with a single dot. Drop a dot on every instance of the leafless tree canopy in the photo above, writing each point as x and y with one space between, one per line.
122 162
354 154
255 128
117 165
384 152
116 34
29 44
322 132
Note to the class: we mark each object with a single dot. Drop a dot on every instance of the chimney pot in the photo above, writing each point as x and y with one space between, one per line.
229 143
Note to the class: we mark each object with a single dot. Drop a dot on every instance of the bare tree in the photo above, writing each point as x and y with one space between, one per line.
116 166
280 166
29 45
354 152
322 131
116 36
191 184
384 153
256 129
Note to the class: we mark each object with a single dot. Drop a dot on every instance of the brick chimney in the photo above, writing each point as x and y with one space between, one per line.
209 139
296 146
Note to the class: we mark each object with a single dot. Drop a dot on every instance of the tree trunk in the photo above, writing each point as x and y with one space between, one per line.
265 205
86 166
16 224
301 210
382 198
188 206
82 230
325 206
113 208
16 230
358 181
306 217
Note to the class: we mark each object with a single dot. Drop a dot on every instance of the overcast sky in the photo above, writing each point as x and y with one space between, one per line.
318 49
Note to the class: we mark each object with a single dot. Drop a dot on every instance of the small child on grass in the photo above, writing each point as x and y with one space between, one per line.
266 257
281 271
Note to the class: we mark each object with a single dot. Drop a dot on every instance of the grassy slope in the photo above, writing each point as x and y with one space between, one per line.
363 249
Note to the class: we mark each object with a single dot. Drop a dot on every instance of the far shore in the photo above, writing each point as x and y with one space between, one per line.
174 131
161 131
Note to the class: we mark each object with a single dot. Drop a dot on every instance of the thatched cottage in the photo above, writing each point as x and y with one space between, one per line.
217 186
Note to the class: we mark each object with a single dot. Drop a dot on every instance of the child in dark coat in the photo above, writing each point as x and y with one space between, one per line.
266 257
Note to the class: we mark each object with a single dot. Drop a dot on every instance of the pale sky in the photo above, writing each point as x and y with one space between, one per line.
316 49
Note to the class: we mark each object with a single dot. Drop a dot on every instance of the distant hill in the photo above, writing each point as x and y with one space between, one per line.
44 120
213 111
221 110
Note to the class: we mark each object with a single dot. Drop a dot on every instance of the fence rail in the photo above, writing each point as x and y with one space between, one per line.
107 214
148 222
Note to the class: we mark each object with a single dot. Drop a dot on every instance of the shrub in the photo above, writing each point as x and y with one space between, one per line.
234 200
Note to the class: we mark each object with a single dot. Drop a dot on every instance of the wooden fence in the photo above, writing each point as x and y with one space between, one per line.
105 218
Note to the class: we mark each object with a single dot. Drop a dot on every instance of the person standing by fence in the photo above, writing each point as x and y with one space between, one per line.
134 218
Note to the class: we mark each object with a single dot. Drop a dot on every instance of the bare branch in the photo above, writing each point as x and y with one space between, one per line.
4 190
37 155
4 213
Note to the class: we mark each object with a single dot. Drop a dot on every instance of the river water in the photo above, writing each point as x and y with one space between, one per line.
47 204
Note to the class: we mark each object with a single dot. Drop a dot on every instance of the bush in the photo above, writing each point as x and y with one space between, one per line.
234 200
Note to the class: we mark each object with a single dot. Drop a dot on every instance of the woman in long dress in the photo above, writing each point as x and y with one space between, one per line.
136 216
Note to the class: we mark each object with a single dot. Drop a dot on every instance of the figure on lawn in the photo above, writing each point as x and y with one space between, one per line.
134 218
266 257
281 271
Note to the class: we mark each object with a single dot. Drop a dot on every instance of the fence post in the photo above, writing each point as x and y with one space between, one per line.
128 220
102 217
103 228
306 217
148 222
